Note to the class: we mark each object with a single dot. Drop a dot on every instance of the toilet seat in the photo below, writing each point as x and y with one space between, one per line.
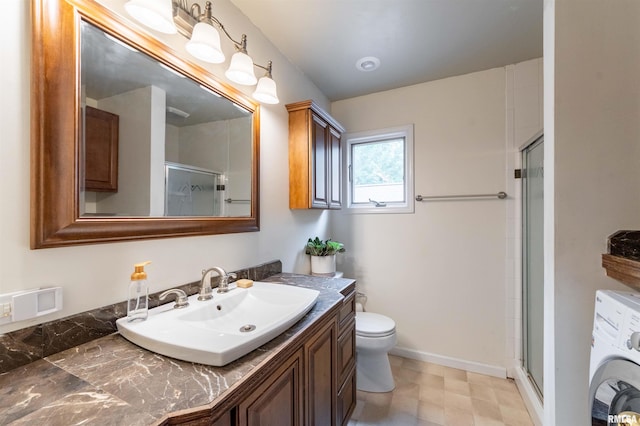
369 324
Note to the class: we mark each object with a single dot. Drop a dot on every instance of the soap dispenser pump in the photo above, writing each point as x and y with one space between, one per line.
138 304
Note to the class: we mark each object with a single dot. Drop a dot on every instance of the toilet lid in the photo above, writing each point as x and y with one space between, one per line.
369 324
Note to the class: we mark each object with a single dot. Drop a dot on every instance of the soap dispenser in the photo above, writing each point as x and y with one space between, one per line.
138 304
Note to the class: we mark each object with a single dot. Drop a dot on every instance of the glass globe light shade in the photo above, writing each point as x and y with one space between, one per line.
155 14
205 44
241 69
266 91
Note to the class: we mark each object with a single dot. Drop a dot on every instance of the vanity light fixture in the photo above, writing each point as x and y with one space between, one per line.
204 40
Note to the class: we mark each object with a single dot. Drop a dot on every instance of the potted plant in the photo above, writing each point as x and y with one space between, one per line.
323 255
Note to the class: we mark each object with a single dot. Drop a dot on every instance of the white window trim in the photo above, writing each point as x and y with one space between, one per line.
405 132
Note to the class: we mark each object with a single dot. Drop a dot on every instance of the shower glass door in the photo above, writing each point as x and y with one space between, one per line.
532 261
190 191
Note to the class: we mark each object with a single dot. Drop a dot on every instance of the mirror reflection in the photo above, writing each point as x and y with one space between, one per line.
155 142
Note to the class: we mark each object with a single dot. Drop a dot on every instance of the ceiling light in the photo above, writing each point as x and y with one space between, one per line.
368 63
204 40
155 14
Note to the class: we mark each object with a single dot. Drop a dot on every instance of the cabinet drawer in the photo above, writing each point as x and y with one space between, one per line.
347 311
346 398
346 350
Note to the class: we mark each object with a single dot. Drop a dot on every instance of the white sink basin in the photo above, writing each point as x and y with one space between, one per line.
221 330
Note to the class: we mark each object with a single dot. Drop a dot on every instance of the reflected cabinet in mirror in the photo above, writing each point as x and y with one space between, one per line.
128 140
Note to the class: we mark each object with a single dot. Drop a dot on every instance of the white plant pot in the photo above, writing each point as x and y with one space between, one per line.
323 264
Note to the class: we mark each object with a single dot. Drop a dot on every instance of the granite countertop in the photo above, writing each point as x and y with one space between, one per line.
110 381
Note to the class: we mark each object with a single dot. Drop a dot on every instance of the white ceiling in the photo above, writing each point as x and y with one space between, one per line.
415 40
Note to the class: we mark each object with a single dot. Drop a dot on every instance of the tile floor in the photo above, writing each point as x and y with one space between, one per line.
432 395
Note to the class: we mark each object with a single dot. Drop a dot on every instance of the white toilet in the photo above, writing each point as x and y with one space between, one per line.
375 336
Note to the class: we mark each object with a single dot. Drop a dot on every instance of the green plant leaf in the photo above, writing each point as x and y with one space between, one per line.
317 247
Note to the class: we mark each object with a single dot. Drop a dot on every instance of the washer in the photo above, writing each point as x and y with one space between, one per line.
614 371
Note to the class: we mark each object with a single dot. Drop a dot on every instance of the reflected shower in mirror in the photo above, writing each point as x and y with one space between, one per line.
155 142
192 192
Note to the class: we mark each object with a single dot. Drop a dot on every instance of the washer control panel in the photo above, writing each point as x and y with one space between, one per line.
617 319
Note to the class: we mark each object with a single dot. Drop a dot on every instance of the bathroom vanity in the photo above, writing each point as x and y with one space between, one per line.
305 376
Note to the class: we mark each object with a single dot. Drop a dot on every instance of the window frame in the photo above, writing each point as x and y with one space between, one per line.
379 135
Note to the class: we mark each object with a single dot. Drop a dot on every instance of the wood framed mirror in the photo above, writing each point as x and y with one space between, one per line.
68 207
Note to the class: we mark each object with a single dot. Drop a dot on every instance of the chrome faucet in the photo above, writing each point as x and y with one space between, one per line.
205 284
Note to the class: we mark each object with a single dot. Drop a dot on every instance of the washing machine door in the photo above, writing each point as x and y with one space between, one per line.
614 394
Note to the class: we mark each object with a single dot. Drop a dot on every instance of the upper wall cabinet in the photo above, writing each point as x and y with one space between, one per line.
315 170
101 150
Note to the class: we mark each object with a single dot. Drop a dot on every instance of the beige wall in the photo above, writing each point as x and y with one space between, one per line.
97 275
439 273
592 69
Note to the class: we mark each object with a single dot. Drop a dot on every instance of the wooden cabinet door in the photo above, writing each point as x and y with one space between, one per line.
335 167
277 401
347 398
320 163
101 150
321 377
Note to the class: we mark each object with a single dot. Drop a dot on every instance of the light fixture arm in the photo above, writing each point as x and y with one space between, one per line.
266 68
207 16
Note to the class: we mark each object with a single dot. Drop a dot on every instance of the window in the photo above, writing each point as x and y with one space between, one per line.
379 170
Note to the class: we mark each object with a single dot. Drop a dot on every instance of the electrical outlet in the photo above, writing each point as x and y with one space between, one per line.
23 305
6 308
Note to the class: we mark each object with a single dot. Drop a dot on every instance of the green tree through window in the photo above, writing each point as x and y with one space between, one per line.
379 167
378 162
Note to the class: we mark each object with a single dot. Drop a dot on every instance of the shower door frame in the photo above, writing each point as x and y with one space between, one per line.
537 387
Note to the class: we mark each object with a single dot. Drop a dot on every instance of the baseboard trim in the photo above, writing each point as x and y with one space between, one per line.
529 395
461 364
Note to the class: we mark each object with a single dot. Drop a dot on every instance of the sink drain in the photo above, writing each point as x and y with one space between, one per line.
247 328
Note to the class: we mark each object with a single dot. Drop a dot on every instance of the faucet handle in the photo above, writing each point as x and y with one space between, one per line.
232 275
205 284
181 297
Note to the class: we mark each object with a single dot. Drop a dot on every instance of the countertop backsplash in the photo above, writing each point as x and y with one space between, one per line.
30 344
